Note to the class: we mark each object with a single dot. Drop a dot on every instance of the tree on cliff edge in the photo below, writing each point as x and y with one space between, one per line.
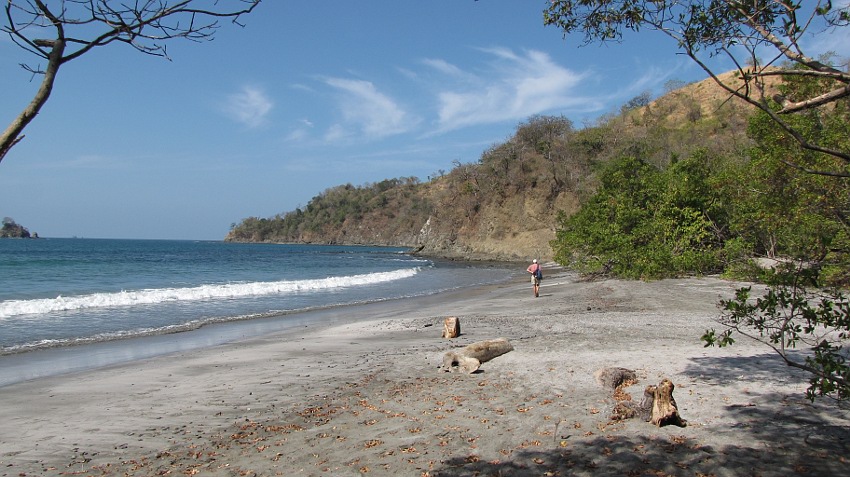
60 31
764 39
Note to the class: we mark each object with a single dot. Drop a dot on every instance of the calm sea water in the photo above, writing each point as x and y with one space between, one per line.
63 292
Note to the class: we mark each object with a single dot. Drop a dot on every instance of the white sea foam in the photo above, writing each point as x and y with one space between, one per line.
13 308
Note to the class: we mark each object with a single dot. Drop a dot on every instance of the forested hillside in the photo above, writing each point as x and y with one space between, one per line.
691 183
715 210
505 204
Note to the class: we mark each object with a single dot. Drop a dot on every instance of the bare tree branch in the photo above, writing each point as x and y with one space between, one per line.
826 98
72 28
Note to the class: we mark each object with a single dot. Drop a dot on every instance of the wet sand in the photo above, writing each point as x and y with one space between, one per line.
365 395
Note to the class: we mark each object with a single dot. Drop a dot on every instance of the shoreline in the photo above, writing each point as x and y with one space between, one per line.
43 362
364 396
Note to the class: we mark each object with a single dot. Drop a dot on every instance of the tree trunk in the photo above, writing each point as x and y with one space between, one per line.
12 134
469 359
451 327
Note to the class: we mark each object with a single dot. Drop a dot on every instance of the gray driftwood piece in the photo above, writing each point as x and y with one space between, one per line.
469 359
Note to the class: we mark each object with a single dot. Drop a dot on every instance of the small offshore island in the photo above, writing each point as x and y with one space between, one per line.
11 229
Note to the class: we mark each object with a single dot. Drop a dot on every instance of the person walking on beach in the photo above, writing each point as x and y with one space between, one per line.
536 275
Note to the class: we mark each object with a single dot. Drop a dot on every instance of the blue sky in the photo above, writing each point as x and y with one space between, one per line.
309 95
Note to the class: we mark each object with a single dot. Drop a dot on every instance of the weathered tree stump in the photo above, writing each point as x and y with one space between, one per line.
664 409
451 327
656 406
469 358
659 407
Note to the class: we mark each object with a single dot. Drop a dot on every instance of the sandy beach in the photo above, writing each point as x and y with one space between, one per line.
366 396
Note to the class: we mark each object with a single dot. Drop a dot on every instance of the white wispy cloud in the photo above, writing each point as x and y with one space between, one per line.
366 111
249 106
87 161
447 68
301 132
647 79
297 135
514 87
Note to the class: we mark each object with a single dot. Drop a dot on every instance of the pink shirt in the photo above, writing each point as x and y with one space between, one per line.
533 268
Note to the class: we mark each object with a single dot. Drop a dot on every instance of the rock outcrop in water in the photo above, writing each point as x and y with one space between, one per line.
12 230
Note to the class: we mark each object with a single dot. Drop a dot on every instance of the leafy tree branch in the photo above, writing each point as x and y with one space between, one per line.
789 316
739 30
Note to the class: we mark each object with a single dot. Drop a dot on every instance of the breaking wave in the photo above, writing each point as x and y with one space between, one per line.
12 308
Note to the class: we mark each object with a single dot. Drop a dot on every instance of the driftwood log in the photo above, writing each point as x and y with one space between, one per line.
469 359
451 327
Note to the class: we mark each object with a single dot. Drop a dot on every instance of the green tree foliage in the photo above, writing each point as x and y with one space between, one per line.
790 316
786 211
646 223
327 217
712 212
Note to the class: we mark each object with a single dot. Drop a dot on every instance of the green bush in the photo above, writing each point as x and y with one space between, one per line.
645 223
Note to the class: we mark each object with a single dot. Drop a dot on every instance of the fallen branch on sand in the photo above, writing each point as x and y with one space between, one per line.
469 359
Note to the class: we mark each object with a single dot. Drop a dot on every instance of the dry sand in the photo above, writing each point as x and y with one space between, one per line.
367 397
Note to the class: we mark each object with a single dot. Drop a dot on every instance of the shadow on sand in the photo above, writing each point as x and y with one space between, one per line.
776 435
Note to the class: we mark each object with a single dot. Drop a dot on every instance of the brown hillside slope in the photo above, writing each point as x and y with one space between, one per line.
505 205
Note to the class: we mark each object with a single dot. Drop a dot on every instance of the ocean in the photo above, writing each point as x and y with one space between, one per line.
74 293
